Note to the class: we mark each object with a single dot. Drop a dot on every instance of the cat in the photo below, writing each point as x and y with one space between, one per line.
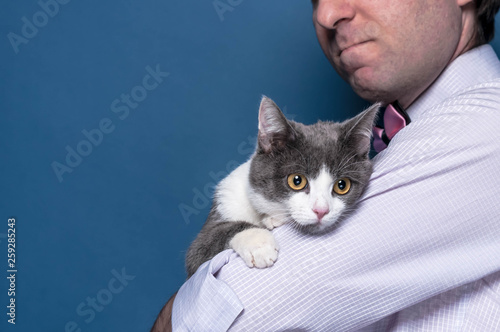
306 175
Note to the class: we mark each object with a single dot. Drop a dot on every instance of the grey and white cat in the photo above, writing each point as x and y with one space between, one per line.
309 176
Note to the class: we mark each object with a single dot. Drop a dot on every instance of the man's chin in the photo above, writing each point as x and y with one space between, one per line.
372 92
372 95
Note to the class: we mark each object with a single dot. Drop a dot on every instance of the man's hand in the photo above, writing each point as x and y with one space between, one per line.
163 322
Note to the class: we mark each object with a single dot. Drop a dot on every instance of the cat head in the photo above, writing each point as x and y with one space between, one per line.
310 175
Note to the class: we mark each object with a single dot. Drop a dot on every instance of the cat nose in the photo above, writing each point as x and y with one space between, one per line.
321 211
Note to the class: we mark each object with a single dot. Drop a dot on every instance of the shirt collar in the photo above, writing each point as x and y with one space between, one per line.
476 66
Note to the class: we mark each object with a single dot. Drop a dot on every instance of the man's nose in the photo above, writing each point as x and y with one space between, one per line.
329 13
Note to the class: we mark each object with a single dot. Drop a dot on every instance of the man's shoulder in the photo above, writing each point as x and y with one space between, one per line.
464 124
477 93
477 103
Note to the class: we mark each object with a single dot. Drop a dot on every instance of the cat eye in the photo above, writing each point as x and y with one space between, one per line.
342 186
297 181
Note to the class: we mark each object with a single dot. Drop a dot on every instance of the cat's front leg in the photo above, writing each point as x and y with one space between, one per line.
272 222
256 246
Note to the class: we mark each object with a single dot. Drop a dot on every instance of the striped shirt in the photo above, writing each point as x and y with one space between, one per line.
420 253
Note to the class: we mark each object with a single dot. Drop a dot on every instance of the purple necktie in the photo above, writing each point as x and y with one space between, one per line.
395 119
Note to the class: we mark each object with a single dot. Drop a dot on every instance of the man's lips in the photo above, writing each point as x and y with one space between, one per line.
354 56
352 45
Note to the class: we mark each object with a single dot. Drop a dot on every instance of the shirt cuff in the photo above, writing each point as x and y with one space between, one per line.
204 303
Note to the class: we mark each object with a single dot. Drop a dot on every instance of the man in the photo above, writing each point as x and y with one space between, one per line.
421 251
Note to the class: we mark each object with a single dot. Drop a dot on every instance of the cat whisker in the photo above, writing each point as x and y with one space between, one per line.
353 172
357 162
304 160
344 162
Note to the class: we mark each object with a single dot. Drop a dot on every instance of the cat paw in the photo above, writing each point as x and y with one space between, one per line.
272 222
256 246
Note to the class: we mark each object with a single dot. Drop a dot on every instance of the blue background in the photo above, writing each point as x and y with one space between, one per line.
120 207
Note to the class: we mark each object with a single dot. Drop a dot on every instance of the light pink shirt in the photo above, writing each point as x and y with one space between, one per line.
421 252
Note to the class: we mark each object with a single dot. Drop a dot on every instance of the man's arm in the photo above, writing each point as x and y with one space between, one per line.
163 322
427 223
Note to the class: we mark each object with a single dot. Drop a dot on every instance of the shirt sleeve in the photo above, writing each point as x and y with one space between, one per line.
204 303
428 223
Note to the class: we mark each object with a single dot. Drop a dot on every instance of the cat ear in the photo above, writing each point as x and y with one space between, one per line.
274 129
359 129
